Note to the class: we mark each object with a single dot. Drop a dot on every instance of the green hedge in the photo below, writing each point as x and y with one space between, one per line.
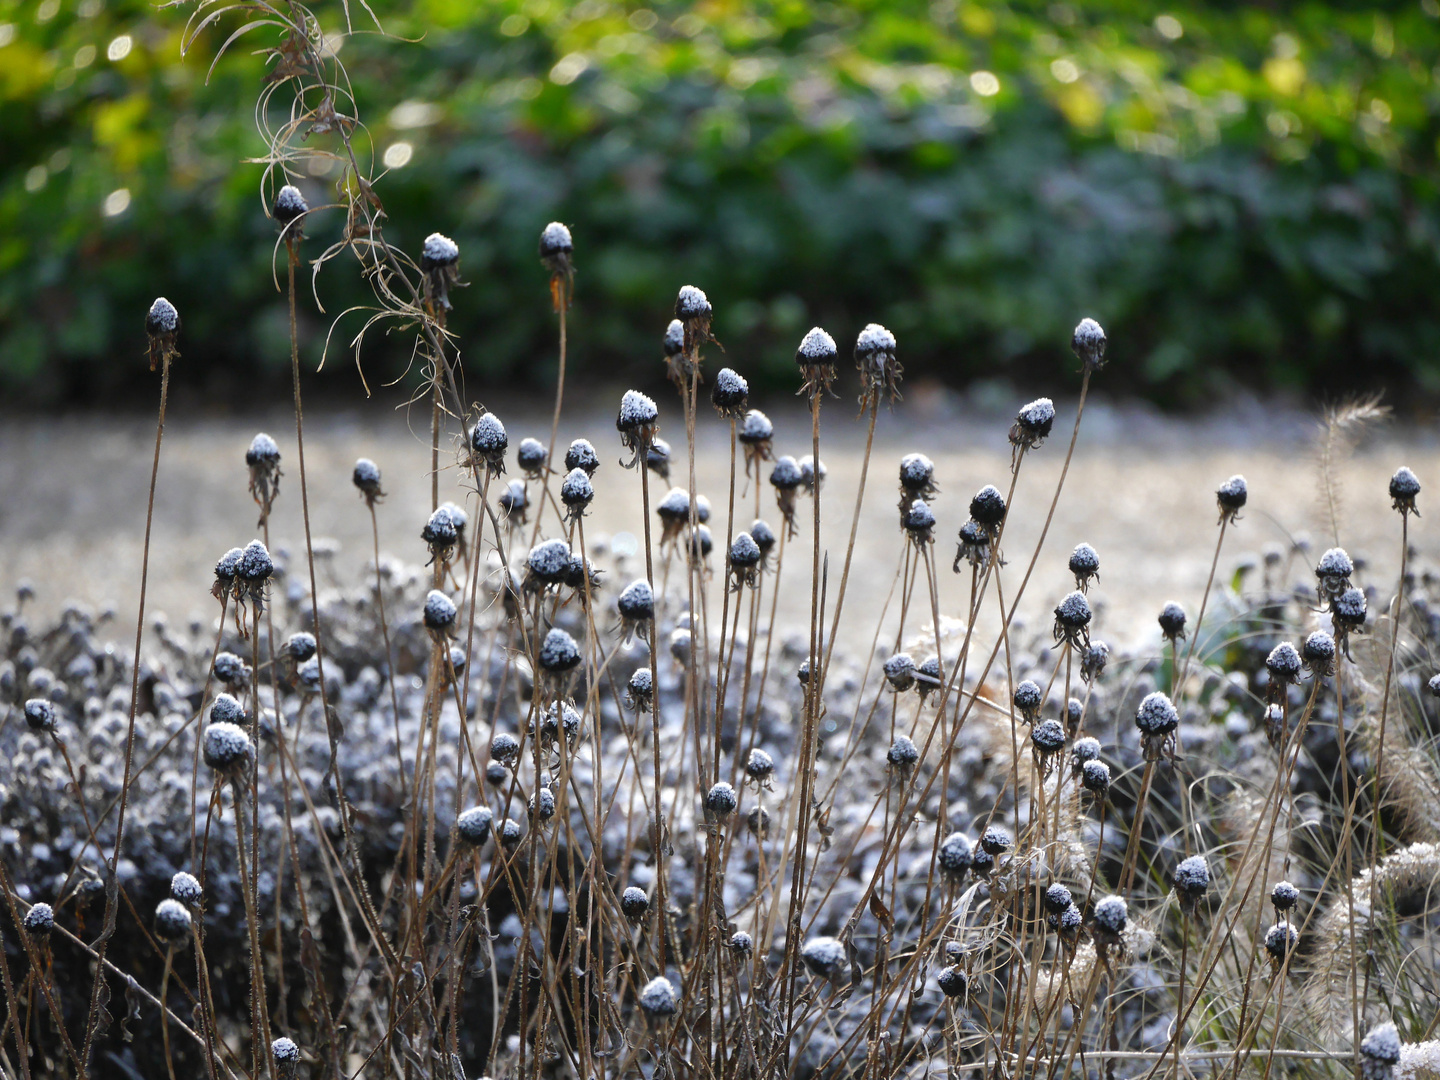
1240 195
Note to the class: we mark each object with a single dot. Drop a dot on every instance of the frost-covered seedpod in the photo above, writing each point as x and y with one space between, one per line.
440 535
561 716
288 207
1057 898
918 521
785 478
702 542
636 606
39 920
745 560
226 709
955 857
510 833
1380 1052
262 458
505 747
1088 342
1347 614
1047 740
720 802
1280 941
974 547
1284 896
900 672
227 749
740 943
1276 724
1283 665
824 957
1074 714
987 509
366 478
657 458
186 889
1092 663
495 774
756 434
1081 751
531 456
693 310
1095 778
1085 565
559 654
557 250
299 646
256 566
286 1055
582 455
928 677
674 514
634 904
680 644
1192 881
816 357
1072 621
307 676
637 423
1032 424
659 998
1172 622
1332 573
880 371
577 493
917 479
952 982
230 669
1028 699
1404 487
472 827
640 690
730 393
1157 720
995 841
547 564
1108 921
759 767
162 328
674 340
542 806
811 475
1230 497
173 923
40 715
440 613
758 822
903 755
440 261
488 443
1318 653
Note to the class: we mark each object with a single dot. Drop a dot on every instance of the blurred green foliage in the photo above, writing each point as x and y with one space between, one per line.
1240 194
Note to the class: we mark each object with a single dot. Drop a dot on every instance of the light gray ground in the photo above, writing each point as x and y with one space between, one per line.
1140 489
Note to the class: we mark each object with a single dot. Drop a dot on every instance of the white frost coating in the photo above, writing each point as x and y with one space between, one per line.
635 409
439 610
556 238
226 745
440 250
817 347
163 318
659 998
873 340
692 303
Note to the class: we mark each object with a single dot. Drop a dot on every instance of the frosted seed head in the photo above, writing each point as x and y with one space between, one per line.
256 565
1048 737
226 709
1404 487
1156 714
366 476
740 943
759 765
1057 898
1279 940
1172 621
692 304
549 560
227 748
1036 419
473 825
755 428
786 474
1231 495
576 491
1381 1044
1095 777
488 435
1088 342
817 348
510 834
289 204
675 338
1110 915
952 982
659 998
824 957
729 392
903 753
634 904
172 922
299 646
720 801
1192 876
900 671
744 551
1092 665
285 1051
186 889
1335 565
1348 609
955 856
228 565
438 251
1284 896
162 318
919 518
40 714
439 611
917 473
1073 613
636 411
875 342
1028 699
1084 563
1283 663
1086 749
581 455
504 747
763 535
1318 653
262 452
559 652
555 240
995 840
530 456
39 920
988 507
637 601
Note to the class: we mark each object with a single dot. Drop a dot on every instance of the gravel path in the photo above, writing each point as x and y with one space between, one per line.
1140 490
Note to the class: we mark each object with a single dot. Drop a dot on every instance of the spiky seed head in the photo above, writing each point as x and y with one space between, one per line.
162 318
581 455
504 747
995 840
1172 621
40 714
659 998
988 507
366 476
729 393
172 922
786 474
1283 664
1057 898
636 411
1088 342
39 920
186 889
744 551
759 765
720 801
473 825
227 747
1028 699
531 455
262 452
755 428
900 671
1048 737
1095 777
438 252
817 349
952 982
1156 714
634 904
256 565
558 652
691 304
555 240
439 611
289 204
1404 487
903 753
1348 609
823 957
1284 896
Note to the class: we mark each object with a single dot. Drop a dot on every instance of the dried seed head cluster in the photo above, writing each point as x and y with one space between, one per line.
879 370
1032 425
816 357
